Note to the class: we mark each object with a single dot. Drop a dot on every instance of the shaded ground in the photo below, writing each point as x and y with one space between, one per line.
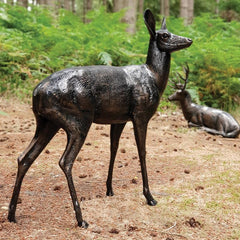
194 176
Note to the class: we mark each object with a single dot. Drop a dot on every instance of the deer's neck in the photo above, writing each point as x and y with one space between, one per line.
188 108
159 63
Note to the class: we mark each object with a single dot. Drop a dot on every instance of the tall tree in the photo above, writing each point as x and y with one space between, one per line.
187 10
41 2
164 7
184 9
73 6
23 3
190 11
67 5
131 15
87 6
140 6
51 3
11 2
131 12
217 7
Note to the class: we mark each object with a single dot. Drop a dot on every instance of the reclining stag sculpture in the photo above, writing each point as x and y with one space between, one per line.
211 120
74 98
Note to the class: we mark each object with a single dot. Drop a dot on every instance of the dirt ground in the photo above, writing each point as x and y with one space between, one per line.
194 177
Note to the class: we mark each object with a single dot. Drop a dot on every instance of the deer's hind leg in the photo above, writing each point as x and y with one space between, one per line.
115 133
233 134
76 134
45 131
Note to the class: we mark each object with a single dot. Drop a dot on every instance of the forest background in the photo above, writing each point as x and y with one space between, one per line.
39 37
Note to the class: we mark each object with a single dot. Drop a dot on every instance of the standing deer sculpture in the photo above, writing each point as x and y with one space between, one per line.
213 121
74 98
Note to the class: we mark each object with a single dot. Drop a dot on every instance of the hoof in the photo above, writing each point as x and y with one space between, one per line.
110 193
152 202
83 224
12 219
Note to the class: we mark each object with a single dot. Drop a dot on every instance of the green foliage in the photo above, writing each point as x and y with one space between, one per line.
214 61
105 58
230 10
200 6
35 43
203 6
230 5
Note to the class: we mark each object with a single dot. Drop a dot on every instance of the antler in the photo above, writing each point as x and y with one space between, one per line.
178 85
186 71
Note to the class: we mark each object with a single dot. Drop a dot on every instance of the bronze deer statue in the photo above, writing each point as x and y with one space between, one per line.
74 98
209 119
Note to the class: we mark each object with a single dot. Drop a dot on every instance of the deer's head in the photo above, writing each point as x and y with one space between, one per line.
181 93
166 41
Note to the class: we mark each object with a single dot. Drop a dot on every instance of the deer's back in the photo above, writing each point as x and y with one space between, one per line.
110 94
214 118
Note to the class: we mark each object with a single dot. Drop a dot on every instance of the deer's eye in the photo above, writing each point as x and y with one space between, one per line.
165 36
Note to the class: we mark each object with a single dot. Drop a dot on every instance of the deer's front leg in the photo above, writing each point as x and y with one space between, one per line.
193 125
140 131
115 133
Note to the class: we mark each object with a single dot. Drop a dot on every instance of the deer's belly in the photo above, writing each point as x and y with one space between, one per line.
115 115
111 120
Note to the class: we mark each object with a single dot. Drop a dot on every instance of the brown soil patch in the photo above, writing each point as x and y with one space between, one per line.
194 177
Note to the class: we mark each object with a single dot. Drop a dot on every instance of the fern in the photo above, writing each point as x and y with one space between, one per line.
35 43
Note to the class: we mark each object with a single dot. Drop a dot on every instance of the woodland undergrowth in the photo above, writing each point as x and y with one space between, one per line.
36 43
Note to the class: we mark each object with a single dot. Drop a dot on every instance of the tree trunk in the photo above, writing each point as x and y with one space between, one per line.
23 3
87 5
51 3
187 10
184 9
140 6
67 5
41 2
104 2
217 7
164 8
11 2
73 6
131 12
118 5
190 11
131 16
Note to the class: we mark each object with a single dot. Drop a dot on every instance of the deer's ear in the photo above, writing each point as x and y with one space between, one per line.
150 22
164 26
